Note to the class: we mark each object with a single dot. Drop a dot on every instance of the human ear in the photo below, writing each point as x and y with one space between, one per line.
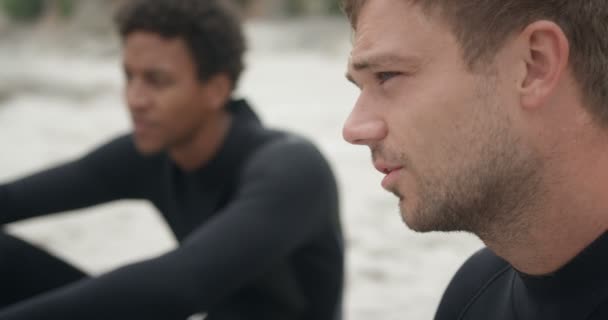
218 88
546 58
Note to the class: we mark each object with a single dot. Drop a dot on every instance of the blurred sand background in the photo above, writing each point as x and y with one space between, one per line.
61 95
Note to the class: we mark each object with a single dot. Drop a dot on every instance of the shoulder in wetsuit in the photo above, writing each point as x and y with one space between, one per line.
487 287
258 229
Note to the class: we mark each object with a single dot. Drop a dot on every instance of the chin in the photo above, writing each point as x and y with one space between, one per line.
406 214
147 147
412 219
414 225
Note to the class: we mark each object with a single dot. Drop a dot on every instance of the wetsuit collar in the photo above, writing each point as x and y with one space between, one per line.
243 129
582 274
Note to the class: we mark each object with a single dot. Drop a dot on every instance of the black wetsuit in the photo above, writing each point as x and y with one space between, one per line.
488 288
258 230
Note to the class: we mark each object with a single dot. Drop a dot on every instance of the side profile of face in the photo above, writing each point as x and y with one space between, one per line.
443 135
168 103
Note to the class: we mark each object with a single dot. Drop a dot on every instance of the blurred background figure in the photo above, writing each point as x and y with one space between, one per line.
255 211
61 88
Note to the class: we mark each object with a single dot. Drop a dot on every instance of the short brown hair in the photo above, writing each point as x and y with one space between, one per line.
483 26
210 28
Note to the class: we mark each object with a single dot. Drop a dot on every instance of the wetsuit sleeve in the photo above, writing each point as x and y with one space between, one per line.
470 280
283 201
100 176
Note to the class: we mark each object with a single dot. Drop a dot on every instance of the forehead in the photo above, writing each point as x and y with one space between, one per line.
142 48
397 28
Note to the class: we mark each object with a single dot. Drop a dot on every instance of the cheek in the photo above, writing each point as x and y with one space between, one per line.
177 105
434 129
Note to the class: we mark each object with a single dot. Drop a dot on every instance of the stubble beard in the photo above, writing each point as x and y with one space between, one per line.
490 198
491 193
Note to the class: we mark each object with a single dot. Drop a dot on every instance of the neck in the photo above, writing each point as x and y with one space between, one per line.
570 214
203 145
541 251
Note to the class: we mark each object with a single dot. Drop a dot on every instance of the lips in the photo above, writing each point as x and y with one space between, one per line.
140 124
386 168
391 173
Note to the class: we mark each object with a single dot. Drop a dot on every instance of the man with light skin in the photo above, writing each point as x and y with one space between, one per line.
491 117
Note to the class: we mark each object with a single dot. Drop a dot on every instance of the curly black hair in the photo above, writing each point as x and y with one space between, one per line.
211 29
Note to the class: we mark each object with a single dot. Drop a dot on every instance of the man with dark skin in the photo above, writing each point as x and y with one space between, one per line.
491 117
255 211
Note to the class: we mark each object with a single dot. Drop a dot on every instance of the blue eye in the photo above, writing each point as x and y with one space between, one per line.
385 76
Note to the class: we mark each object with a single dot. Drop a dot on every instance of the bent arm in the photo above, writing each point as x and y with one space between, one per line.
98 177
287 197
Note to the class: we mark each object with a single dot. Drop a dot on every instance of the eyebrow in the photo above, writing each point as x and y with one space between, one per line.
382 61
375 62
155 70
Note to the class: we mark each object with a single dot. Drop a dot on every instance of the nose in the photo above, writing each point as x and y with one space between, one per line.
364 127
136 96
